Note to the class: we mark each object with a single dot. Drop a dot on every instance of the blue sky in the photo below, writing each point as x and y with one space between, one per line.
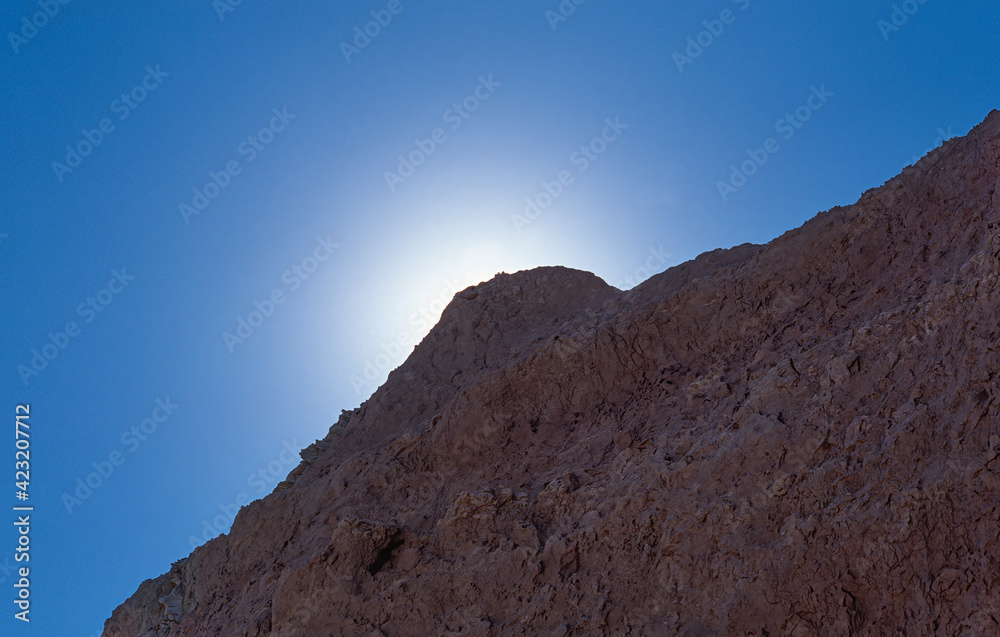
172 171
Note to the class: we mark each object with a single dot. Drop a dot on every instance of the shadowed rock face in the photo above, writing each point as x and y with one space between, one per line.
799 438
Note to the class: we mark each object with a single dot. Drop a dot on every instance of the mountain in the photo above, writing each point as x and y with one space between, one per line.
799 438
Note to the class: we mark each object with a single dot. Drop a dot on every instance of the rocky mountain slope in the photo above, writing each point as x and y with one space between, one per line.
799 438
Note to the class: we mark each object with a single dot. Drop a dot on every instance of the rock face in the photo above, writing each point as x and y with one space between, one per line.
799 438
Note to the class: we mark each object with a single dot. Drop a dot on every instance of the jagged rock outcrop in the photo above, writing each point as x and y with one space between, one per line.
311 453
157 605
800 438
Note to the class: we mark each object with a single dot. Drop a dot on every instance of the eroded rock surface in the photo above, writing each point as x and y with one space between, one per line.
800 438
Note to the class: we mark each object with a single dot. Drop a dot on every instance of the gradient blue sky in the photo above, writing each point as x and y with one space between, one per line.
649 200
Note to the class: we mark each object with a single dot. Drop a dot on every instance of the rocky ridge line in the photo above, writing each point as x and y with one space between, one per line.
799 438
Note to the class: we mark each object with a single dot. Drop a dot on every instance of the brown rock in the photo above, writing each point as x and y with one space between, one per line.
799 438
